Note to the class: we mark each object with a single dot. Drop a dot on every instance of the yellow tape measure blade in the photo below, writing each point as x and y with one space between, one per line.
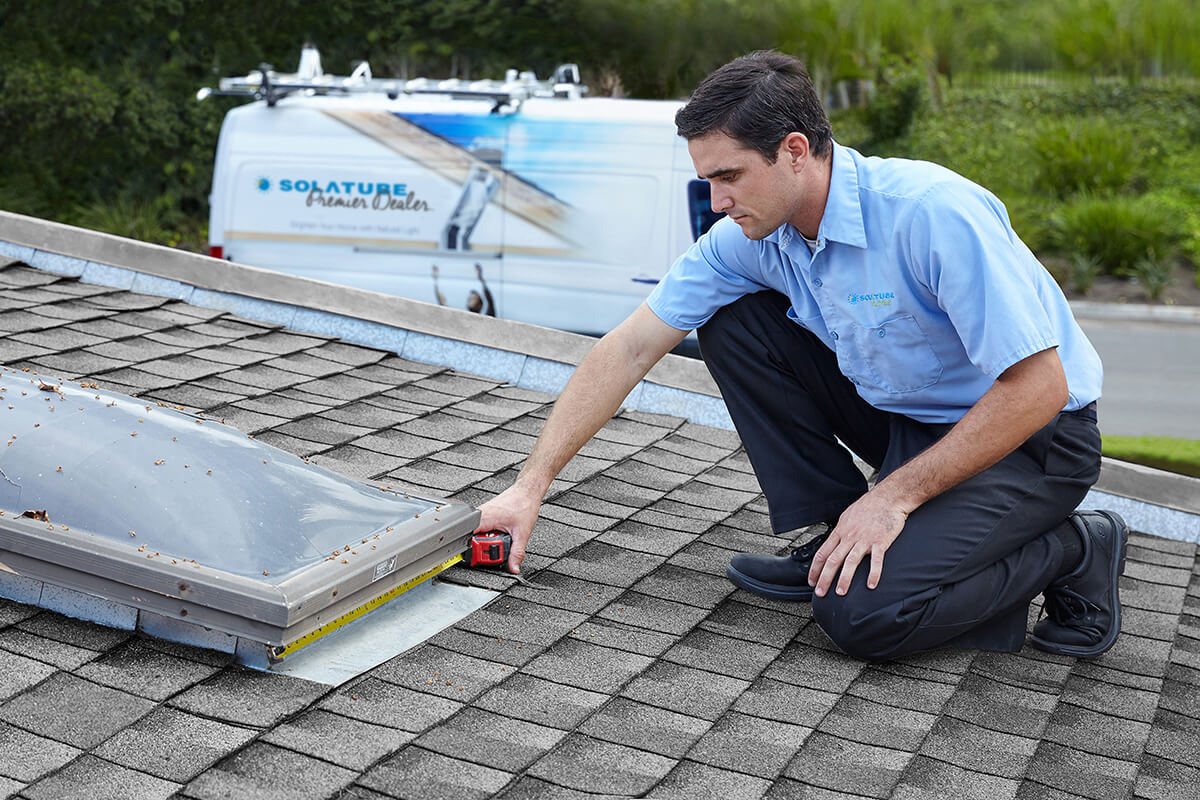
279 653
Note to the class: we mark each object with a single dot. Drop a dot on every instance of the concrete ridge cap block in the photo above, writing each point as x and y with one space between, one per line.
1156 520
58 264
18 251
694 404
107 275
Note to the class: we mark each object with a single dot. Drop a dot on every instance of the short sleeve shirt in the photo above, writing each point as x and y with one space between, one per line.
918 284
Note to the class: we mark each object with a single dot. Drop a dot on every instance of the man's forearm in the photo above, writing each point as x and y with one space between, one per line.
603 379
1020 403
590 398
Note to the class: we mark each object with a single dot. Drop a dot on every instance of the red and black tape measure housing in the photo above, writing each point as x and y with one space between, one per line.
488 549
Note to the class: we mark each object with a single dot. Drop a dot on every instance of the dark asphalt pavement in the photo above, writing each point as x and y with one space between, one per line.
1151 377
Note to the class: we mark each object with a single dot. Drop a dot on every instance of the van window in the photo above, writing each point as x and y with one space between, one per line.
700 212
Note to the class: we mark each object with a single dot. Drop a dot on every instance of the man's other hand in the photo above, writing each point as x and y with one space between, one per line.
513 511
866 529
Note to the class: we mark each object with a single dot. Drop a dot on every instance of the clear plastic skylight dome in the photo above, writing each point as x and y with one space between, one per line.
143 493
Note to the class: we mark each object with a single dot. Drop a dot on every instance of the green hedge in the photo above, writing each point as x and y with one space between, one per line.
1084 155
1118 232
1096 170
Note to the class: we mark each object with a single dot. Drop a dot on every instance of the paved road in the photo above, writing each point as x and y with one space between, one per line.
1151 377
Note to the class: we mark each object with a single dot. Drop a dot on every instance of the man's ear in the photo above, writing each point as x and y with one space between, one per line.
795 148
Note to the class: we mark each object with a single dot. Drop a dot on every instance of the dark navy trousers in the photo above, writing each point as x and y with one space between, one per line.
968 562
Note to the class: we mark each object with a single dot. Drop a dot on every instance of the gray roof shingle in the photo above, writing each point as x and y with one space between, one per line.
173 745
89 777
74 711
262 770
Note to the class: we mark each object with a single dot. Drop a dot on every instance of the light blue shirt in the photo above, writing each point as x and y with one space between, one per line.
918 283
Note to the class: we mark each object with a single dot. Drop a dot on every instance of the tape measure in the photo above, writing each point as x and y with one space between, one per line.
486 550
279 653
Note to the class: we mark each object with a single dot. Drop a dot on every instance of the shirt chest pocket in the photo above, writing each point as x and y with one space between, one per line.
894 356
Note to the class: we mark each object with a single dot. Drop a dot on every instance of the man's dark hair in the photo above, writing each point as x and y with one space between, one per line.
758 99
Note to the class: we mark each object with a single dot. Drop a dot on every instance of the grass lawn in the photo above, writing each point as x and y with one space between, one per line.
1174 455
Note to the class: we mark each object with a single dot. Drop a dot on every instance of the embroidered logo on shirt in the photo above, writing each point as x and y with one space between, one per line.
876 299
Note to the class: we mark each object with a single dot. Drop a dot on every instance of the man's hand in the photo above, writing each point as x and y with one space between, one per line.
513 511
865 530
1024 398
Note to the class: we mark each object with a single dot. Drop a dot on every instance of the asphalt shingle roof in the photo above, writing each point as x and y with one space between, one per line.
635 668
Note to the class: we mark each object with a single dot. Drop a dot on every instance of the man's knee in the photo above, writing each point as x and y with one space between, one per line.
865 625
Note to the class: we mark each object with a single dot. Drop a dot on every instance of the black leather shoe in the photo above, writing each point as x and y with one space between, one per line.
1083 608
777 577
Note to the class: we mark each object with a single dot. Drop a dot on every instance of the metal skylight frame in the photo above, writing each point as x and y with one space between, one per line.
399 539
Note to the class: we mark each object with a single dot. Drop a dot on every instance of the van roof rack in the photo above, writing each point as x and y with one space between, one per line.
309 79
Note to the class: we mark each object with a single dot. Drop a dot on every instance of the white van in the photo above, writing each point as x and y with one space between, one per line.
517 198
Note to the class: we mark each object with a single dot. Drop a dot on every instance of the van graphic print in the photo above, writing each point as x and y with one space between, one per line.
517 198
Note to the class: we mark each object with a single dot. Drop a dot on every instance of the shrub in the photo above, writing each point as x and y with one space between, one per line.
1118 232
1154 275
1032 217
899 97
1082 270
1182 201
1084 156
129 216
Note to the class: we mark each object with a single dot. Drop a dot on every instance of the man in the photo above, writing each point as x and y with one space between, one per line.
888 304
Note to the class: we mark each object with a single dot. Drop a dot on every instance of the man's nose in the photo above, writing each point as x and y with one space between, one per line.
721 201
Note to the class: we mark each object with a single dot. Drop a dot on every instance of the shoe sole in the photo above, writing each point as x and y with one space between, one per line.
797 594
1110 638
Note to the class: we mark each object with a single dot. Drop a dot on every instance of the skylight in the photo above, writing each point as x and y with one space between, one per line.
177 513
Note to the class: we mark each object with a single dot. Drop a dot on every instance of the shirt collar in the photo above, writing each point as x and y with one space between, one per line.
842 220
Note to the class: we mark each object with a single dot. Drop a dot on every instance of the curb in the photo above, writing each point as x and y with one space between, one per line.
1135 312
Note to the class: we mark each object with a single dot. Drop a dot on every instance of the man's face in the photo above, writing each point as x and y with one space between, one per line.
758 195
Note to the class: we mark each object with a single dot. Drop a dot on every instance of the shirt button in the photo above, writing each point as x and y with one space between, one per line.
882 333
817 282
833 334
